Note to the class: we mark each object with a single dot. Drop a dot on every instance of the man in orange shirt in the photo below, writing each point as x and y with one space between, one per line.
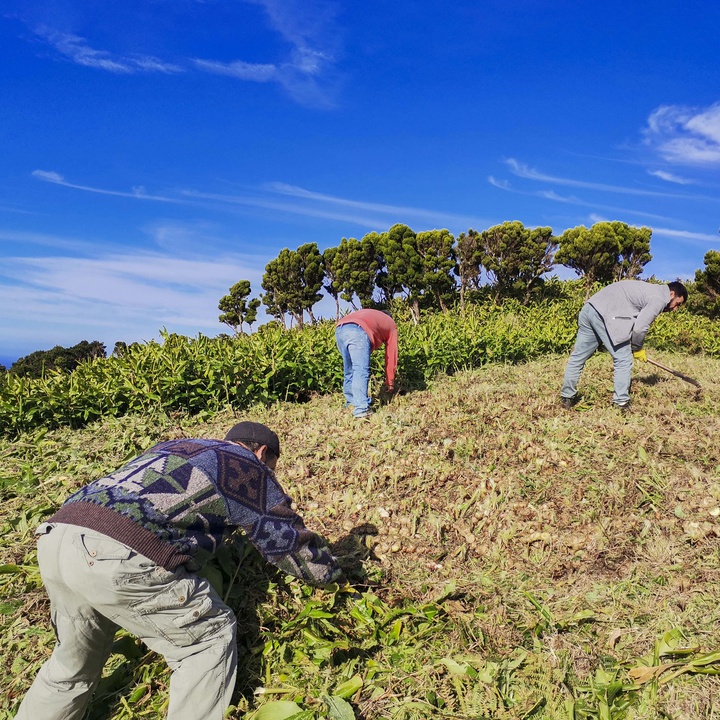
357 335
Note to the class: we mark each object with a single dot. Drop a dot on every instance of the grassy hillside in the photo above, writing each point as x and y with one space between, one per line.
203 375
518 560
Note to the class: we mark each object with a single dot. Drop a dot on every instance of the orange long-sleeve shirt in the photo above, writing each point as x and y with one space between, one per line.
381 330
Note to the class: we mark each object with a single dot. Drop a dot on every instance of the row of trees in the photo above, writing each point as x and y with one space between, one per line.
37 363
432 269
429 270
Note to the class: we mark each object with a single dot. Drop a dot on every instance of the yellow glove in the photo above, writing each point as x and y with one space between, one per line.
348 589
640 355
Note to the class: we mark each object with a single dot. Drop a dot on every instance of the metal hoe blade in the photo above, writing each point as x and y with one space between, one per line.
686 378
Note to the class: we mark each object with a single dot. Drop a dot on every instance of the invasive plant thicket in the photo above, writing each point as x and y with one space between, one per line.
203 375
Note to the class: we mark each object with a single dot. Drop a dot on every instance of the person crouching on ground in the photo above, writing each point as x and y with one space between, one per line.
357 335
618 317
123 551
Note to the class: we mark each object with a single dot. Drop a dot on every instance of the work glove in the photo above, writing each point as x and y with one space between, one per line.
348 590
342 585
640 355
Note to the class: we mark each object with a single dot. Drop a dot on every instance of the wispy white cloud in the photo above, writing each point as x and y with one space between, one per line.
25 239
138 193
595 217
289 208
305 66
669 177
524 171
308 72
15 210
552 195
502 184
299 192
153 64
307 83
78 50
685 135
695 237
376 216
302 202
572 200
305 24
255 72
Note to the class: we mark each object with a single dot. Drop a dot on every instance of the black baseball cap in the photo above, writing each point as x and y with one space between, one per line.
255 432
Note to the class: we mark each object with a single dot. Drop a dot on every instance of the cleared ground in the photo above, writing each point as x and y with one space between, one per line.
518 559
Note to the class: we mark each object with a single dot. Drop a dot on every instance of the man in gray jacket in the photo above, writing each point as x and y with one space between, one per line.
618 317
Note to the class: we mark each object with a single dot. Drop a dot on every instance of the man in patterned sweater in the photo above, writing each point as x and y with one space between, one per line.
122 551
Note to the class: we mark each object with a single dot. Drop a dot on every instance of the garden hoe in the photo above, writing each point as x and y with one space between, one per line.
686 378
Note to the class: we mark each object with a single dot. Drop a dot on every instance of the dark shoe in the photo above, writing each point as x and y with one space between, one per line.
624 408
364 417
569 403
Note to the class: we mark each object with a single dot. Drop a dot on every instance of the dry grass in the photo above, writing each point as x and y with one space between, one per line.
573 538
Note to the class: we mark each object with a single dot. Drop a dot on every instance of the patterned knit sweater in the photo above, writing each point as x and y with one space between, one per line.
176 502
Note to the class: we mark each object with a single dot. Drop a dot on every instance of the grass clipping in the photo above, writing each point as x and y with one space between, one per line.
516 559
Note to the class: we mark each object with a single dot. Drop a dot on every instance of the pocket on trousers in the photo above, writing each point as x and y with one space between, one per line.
185 611
101 547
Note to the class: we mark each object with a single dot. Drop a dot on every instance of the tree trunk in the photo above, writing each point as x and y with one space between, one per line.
416 311
441 302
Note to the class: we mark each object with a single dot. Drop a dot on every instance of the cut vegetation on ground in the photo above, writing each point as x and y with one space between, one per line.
517 560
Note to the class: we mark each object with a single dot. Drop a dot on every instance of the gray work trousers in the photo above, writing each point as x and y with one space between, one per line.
96 585
591 334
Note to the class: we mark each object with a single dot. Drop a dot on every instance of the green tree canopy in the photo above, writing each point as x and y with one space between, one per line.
237 309
439 265
605 252
515 257
330 284
59 358
468 257
634 250
312 273
281 285
708 280
121 348
707 285
402 272
292 282
351 270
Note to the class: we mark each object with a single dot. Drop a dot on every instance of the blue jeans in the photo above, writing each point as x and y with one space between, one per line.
96 585
354 346
591 334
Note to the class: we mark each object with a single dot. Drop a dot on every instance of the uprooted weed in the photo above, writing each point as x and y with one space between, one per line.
516 559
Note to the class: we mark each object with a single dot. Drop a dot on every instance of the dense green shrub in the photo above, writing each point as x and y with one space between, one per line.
199 375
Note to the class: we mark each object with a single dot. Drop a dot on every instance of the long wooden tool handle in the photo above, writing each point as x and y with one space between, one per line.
687 379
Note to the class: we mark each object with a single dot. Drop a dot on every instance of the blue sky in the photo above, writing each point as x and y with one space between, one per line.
154 152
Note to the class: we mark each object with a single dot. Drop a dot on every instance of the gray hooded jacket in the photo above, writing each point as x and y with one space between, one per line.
628 308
